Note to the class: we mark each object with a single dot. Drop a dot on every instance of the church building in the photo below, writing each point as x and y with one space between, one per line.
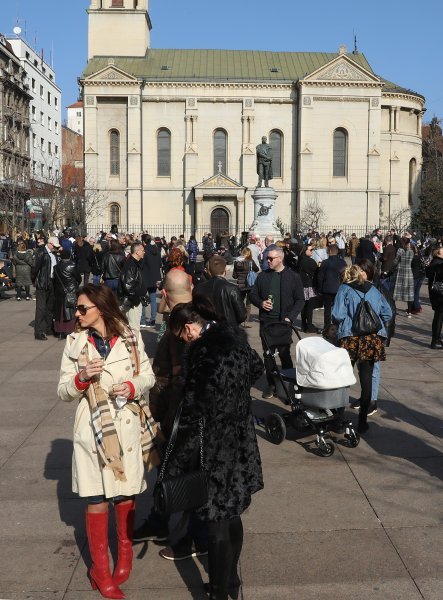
170 135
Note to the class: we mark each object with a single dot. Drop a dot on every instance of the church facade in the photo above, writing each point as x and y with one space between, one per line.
170 136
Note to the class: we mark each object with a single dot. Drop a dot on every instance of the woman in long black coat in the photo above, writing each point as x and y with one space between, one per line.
434 273
220 368
67 279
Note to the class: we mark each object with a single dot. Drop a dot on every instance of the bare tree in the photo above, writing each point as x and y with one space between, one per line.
400 219
84 200
313 214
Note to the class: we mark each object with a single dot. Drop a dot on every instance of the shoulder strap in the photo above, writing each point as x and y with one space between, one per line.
115 262
59 278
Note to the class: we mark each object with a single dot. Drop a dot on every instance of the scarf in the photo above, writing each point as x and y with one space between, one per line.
108 445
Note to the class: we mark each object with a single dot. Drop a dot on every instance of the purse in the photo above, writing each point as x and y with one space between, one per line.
437 287
365 321
251 276
183 492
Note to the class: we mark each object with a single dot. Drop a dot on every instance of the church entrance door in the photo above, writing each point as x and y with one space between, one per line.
219 222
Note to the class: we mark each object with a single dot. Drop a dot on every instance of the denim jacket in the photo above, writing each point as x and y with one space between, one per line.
346 303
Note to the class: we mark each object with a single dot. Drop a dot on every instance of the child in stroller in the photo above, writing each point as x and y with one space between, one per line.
316 390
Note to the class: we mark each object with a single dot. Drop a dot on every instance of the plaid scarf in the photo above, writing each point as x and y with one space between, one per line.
105 434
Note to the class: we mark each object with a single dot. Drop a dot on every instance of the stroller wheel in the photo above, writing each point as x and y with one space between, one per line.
275 428
352 438
325 449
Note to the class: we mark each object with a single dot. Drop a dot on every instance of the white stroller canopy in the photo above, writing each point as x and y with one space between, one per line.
321 365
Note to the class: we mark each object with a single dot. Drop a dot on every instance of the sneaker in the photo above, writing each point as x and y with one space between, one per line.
28 298
182 550
149 532
269 392
150 324
144 326
356 404
372 408
409 315
18 299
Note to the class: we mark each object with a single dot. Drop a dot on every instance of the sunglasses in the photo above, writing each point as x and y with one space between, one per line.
83 309
271 258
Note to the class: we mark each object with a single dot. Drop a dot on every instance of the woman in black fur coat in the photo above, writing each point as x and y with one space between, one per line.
220 368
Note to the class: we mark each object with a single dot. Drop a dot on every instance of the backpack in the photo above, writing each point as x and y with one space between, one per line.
365 321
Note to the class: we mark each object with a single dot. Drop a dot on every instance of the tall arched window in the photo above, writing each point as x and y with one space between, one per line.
220 151
340 153
412 180
164 153
114 143
276 143
114 214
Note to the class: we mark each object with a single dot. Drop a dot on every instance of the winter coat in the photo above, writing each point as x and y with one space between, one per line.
329 274
434 272
192 250
220 368
67 276
226 298
84 257
113 263
404 280
131 283
41 269
23 261
366 249
308 269
89 478
387 258
347 301
291 293
151 268
241 270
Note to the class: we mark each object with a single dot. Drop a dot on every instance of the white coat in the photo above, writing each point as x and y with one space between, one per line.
89 478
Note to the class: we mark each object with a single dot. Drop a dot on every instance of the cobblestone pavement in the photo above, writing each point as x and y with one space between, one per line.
365 523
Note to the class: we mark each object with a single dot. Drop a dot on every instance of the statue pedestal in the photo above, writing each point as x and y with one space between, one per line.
264 219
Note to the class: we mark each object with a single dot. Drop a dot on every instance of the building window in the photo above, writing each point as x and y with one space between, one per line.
412 180
56 103
56 150
42 118
42 143
49 123
49 98
276 143
79 114
56 126
34 140
33 113
117 3
41 92
114 214
33 85
164 153
340 153
115 152
49 148
220 151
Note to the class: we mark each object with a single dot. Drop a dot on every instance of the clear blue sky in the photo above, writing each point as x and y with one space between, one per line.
401 40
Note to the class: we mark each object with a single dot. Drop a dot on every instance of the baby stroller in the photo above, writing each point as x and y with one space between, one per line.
315 390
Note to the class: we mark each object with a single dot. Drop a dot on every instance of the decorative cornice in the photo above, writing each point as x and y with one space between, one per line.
360 84
400 95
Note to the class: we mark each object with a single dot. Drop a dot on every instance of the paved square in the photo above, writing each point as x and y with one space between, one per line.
366 523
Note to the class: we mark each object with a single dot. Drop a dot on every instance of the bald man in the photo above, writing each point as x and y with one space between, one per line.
164 398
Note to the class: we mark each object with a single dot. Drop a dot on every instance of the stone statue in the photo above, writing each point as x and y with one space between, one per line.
264 162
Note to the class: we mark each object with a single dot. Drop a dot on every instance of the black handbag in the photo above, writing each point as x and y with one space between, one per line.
183 492
365 321
437 287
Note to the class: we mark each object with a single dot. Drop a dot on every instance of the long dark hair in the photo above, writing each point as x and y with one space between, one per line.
200 310
106 301
115 247
366 266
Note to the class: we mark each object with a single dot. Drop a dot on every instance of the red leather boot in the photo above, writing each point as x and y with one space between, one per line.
99 573
124 519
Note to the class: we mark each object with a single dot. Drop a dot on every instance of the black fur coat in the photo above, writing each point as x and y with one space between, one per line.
220 368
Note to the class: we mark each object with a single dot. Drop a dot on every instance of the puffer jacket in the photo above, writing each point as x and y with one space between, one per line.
347 301
23 261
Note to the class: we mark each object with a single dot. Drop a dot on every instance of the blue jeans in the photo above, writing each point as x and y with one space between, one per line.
153 302
417 285
96 279
375 381
113 284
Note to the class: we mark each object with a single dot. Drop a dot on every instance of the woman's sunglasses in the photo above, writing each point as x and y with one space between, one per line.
83 309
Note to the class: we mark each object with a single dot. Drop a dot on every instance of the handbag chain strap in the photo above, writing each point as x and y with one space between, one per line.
173 438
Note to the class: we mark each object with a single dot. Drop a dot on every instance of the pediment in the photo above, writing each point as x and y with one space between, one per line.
219 181
111 73
342 68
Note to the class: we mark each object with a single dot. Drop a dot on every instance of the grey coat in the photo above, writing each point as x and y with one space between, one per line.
23 260
404 279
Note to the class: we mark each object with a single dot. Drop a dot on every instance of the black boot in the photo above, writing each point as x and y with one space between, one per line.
220 557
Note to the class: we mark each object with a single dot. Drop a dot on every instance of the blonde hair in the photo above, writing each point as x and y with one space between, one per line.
352 273
246 253
280 244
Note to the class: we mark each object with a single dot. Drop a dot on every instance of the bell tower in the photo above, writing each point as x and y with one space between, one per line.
118 28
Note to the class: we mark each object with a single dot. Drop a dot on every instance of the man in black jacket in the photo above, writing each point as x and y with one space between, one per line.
366 249
224 296
42 277
151 275
278 293
328 280
131 286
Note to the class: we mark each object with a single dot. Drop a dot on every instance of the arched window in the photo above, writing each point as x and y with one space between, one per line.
164 153
276 143
114 143
114 214
412 180
340 158
220 150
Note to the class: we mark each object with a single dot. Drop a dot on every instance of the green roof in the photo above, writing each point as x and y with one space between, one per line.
227 66
221 65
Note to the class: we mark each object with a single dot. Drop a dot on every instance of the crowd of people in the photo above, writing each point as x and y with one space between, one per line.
193 405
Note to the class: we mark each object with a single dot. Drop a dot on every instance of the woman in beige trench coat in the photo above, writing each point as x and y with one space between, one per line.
105 368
